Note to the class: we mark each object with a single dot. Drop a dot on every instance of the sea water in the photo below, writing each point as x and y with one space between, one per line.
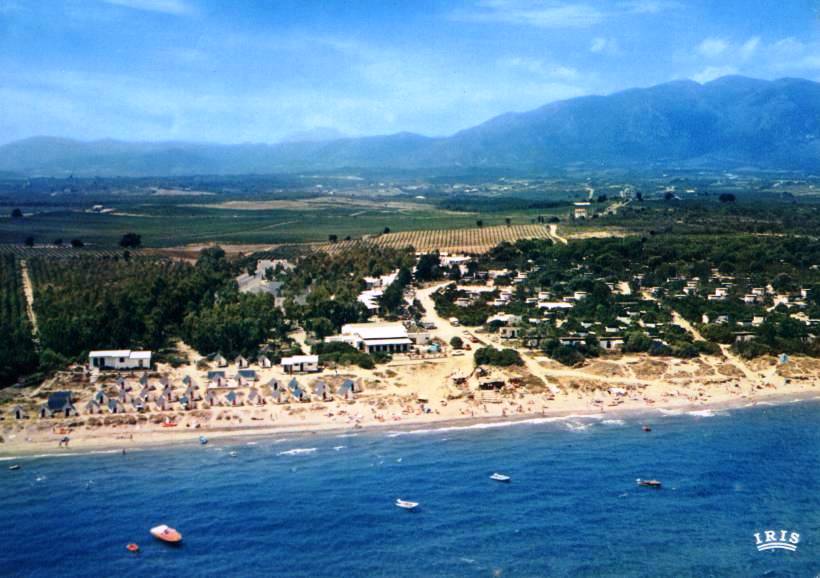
324 505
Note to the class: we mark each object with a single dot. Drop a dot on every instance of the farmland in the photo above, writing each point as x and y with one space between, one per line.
472 240
174 225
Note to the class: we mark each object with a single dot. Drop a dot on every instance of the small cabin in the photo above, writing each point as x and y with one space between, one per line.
264 362
246 375
93 407
241 362
322 391
59 404
300 364
120 359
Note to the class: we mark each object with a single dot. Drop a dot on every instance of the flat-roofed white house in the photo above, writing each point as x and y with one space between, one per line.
300 363
120 359
375 337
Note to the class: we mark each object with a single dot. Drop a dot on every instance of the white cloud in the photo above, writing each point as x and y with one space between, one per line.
712 72
176 7
538 13
648 6
602 45
748 48
712 47
539 67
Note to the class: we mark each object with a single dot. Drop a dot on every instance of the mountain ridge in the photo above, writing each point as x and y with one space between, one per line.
728 122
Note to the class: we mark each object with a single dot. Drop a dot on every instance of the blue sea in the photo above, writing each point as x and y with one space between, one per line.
322 505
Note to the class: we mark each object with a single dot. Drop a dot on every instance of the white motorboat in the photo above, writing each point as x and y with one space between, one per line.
500 477
405 504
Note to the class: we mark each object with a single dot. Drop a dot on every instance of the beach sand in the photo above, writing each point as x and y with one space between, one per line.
391 400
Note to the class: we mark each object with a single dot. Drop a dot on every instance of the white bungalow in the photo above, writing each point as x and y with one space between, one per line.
120 359
375 337
241 362
300 363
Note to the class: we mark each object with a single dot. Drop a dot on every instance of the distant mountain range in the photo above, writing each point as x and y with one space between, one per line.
732 122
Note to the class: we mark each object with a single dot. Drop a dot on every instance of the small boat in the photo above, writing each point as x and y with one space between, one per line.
648 483
132 547
646 428
203 440
406 504
500 477
169 424
232 454
166 534
15 467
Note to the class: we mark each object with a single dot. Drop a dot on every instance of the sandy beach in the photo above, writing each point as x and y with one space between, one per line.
396 406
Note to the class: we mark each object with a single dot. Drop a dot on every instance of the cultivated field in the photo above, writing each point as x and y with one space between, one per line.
473 240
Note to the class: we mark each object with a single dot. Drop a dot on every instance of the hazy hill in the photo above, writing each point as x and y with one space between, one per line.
730 122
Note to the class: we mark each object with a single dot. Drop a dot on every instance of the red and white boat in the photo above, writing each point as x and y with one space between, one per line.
166 534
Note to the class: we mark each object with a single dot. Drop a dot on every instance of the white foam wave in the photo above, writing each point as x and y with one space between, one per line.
576 426
614 422
337 448
670 411
494 424
704 413
297 452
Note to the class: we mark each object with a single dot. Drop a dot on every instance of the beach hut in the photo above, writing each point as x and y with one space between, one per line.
254 398
247 375
58 404
322 391
278 395
274 384
93 406
144 379
100 397
241 362
211 399
145 393
186 402
138 405
191 393
220 360
233 398
19 413
116 406
161 403
347 389
264 362
297 392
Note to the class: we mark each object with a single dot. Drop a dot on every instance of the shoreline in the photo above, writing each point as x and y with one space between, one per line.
85 444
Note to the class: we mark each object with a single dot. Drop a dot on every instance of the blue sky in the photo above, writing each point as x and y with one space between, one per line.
258 71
